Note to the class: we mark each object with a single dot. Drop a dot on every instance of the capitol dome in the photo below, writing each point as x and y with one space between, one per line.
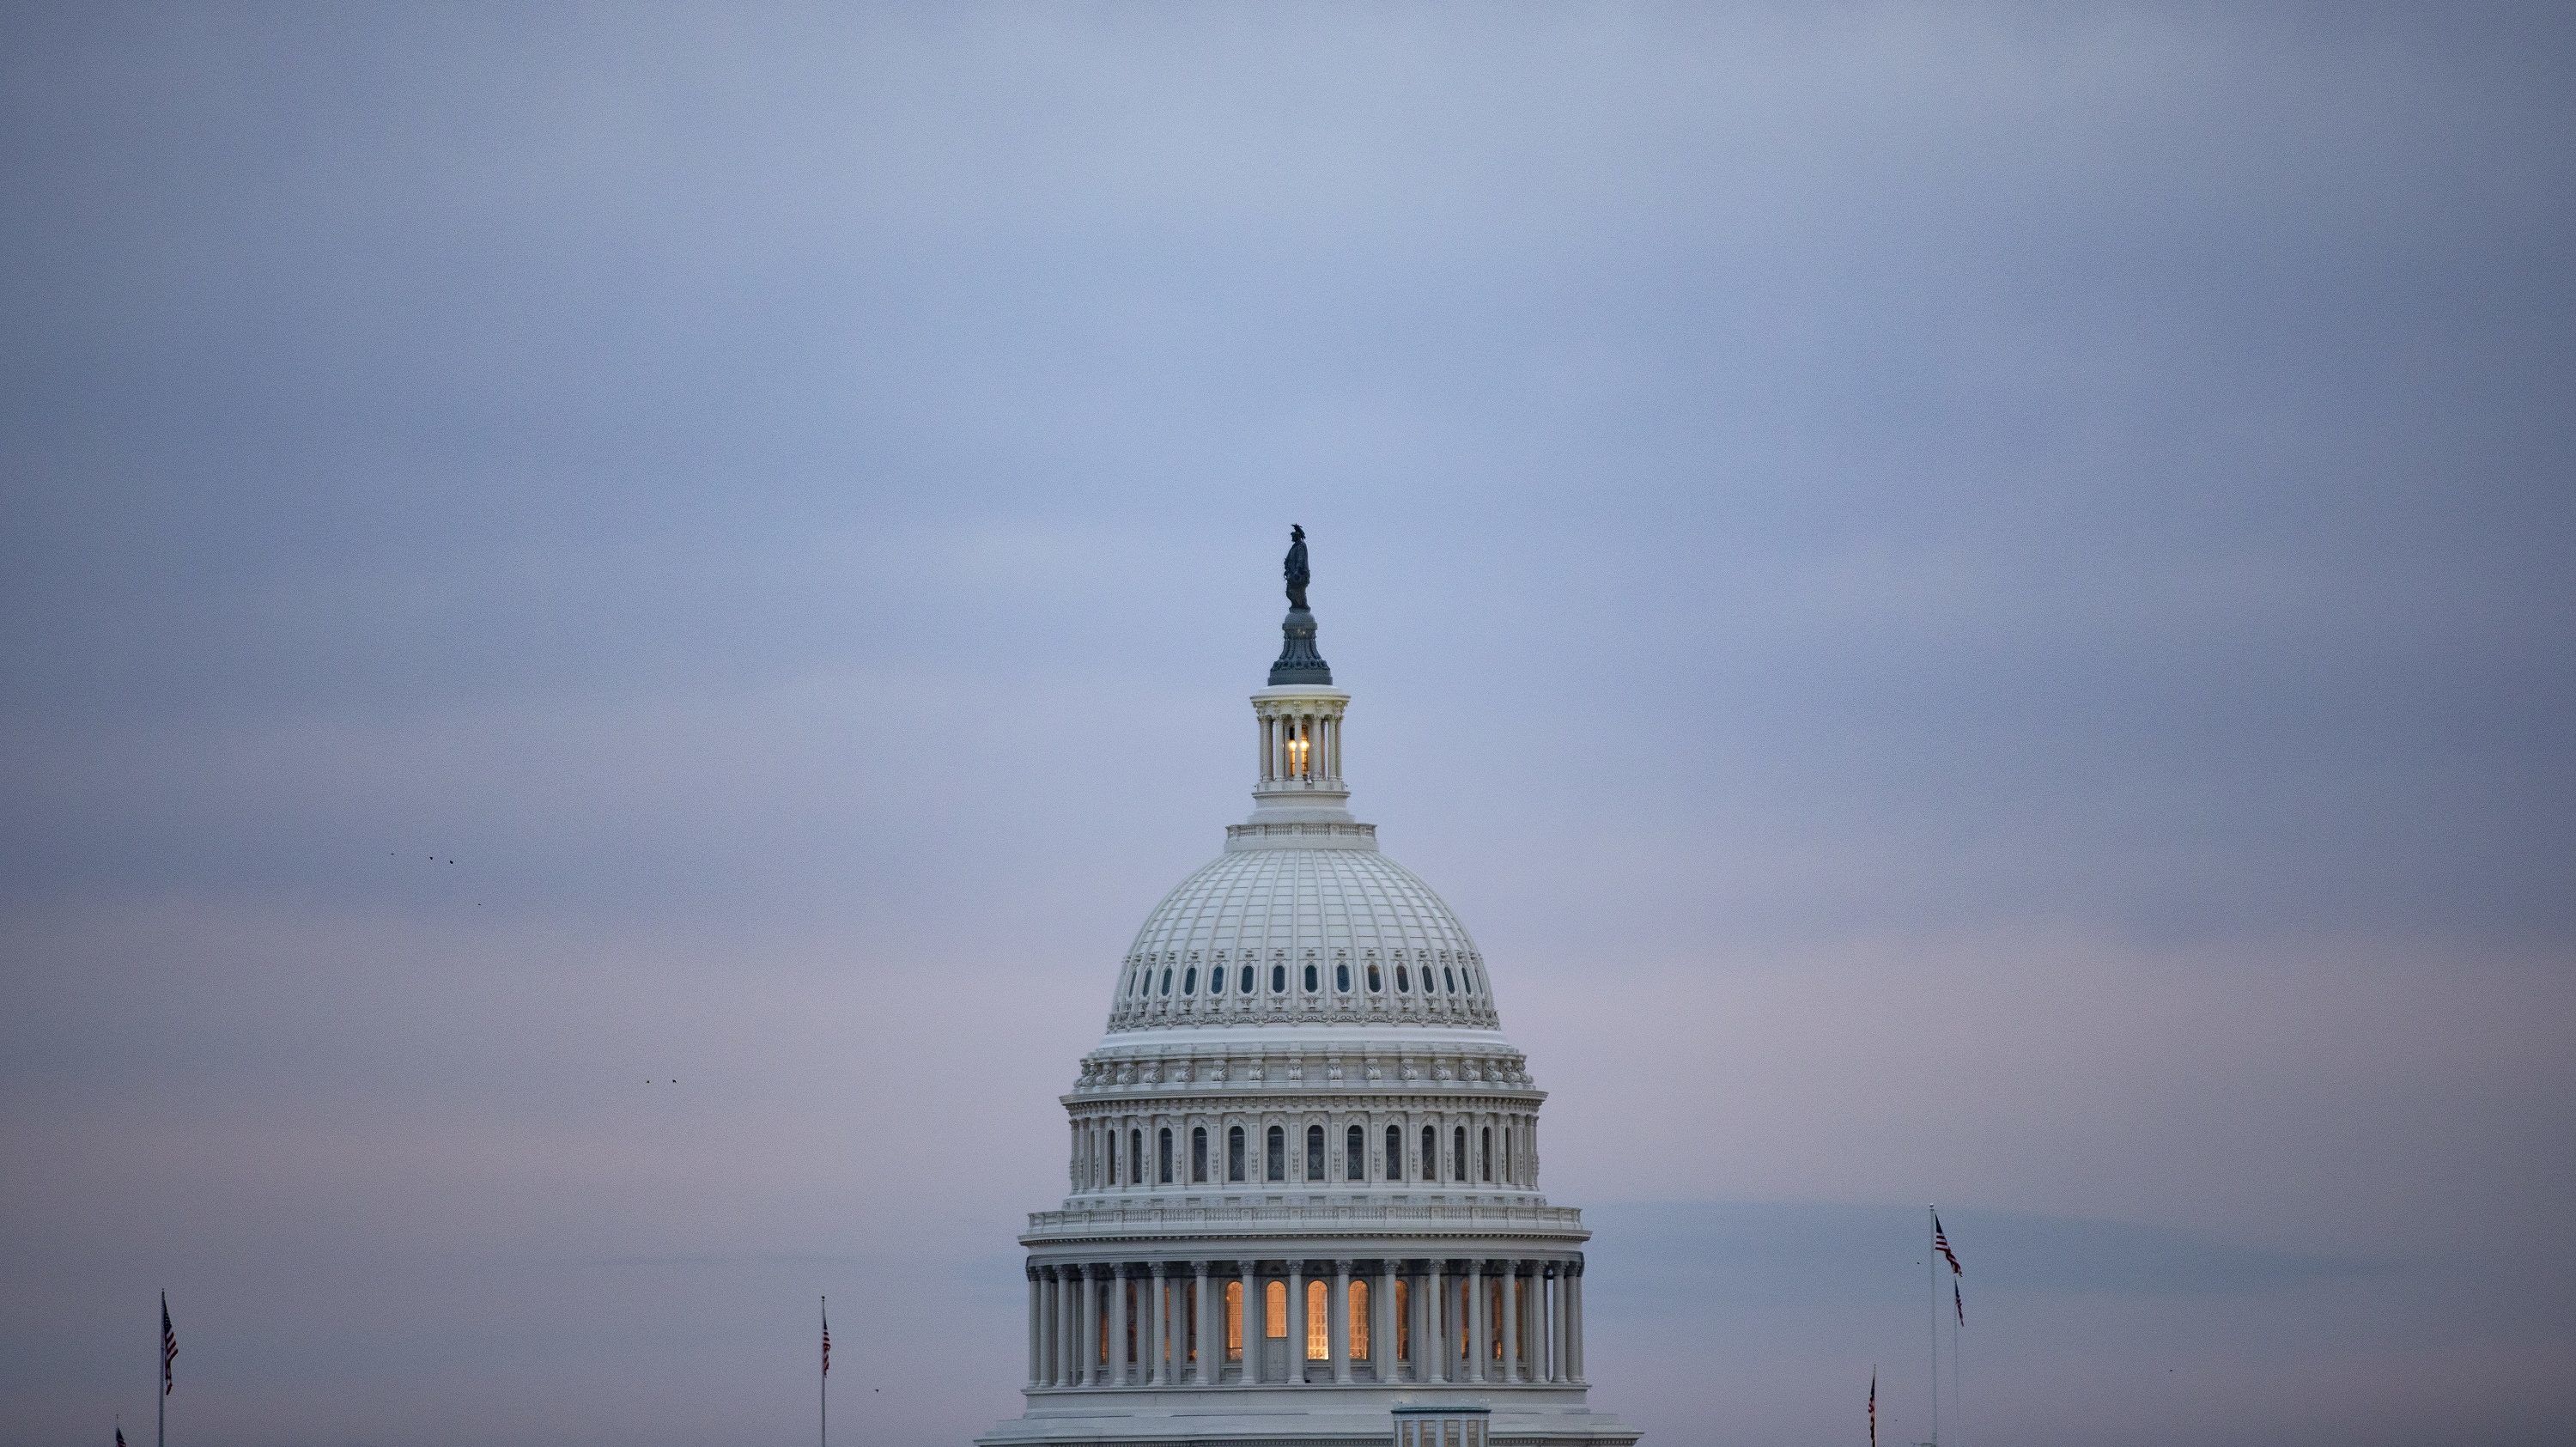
1290 934
1302 1163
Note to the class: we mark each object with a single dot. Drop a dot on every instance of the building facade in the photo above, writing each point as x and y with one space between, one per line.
1303 1162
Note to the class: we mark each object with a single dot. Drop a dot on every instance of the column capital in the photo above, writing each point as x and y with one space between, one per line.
1159 1268
1342 1266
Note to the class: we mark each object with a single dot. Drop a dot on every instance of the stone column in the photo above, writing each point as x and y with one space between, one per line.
1116 1371
1337 1306
1436 1303
1060 1327
1087 1338
1251 1374
1382 1322
1296 1352
1210 1333
1156 1328
1511 1321
1475 1324
1574 1323
1556 1321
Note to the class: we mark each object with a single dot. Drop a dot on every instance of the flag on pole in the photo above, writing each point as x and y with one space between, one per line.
120 1437
169 1344
1958 1305
1873 1407
1941 1243
827 1343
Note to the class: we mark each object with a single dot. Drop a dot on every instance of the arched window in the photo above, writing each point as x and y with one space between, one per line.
1216 980
1278 1155
1163 1158
1509 1130
1279 979
1190 980
1314 1153
1135 1158
1274 1310
1458 1170
1377 982
1198 1154
1403 982
1430 1155
1342 978
1319 1323
1113 1158
1167 982
1234 1153
1359 1320
1485 1155
1395 1153
1234 1321
1310 977
1246 986
1451 976
1354 1155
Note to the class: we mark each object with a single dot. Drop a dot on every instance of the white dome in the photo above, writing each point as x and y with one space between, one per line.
1318 934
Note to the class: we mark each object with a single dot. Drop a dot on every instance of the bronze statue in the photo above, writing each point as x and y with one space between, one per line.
1295 567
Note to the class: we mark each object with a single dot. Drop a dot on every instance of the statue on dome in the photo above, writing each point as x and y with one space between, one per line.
1295 567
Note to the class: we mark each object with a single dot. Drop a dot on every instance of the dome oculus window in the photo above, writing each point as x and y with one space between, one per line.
1451 976
1376 983
1342 978
1190 980
1216 980
1247 980
1403 986
1310 977
1167 982
1279 979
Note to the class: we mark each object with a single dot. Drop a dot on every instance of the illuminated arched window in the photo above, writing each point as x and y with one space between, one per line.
1274 1311
1354 1155
1234 1321
1314 1153
1430 1155
1163 1158
1395 1153
1234 1153
1485 1155
1319 1323
1359 1320
1278 1155
1198 1154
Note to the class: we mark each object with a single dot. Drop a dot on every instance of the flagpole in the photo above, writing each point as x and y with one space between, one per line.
827 1375
1932 1284
161 1378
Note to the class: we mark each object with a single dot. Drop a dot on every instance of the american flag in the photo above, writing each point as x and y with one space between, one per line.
827 1342
1958 1305
1941 1243
1873 1407
169 1344
120 1437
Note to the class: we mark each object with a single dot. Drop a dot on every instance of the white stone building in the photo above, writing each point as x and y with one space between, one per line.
1304 1159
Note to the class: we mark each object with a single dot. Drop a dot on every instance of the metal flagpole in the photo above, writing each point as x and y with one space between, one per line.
826 1423
1932 1284
161 1381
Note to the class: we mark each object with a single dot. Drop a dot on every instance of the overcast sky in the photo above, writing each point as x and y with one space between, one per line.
1973 605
